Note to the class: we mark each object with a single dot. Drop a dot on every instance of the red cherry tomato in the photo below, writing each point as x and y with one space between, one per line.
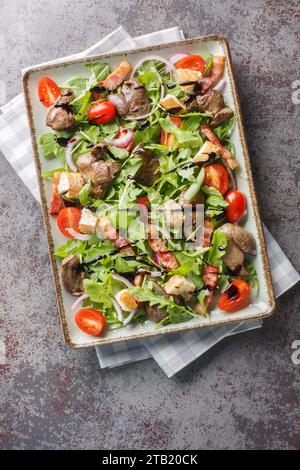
48 91
68 217
101 112
90 321
237 205
216 176
144 201
235 297
167 138
193 62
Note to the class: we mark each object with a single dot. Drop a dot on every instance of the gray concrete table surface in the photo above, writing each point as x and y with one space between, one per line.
245 393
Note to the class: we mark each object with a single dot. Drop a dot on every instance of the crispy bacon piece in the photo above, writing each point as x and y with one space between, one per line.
210 276
206 233
117 76
56 204
210 279
111 233
215 74
166 259
227 157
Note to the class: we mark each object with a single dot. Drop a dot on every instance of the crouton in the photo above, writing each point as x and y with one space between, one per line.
88 221
70 185
206 150
179 285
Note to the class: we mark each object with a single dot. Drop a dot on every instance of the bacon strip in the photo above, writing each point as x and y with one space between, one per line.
210 279
117 76
227 157
162 255
111 233
210 276
215 74
56 204
206 233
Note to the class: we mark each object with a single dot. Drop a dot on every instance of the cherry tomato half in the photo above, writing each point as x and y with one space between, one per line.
167 138
68 217
237 205
48 91
101 112
90 321
193 62
144 201
216 176
235 297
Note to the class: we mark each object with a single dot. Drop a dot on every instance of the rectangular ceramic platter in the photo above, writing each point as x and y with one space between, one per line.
260 307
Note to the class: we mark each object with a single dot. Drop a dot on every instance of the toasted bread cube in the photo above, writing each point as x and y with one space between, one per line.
88 221
179 285
203 154
70 185
187 75
173 214
171 103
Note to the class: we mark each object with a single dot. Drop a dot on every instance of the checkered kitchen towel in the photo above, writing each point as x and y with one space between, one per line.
172 352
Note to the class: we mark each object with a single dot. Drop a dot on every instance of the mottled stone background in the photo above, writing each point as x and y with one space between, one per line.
245 393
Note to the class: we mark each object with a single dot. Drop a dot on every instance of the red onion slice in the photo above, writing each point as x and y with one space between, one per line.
220 87
121 142
122 279
118 310
69 148
78 236
130 317
175 58
153 57
78 302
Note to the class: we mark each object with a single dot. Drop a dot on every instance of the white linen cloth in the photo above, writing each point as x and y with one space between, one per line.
174 351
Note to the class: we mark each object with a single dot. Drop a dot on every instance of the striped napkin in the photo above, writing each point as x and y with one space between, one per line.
174 351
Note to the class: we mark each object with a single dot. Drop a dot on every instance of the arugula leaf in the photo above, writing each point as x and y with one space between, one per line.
201 299
252 277
91 134
215 198
185 138
50 148
50 174
84 195
223 129
217 249
176 313
149 135
223 282
74 247
118 152
97 292
99 71
100 249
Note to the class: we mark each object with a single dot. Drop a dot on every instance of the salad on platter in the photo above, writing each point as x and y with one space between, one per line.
145 192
